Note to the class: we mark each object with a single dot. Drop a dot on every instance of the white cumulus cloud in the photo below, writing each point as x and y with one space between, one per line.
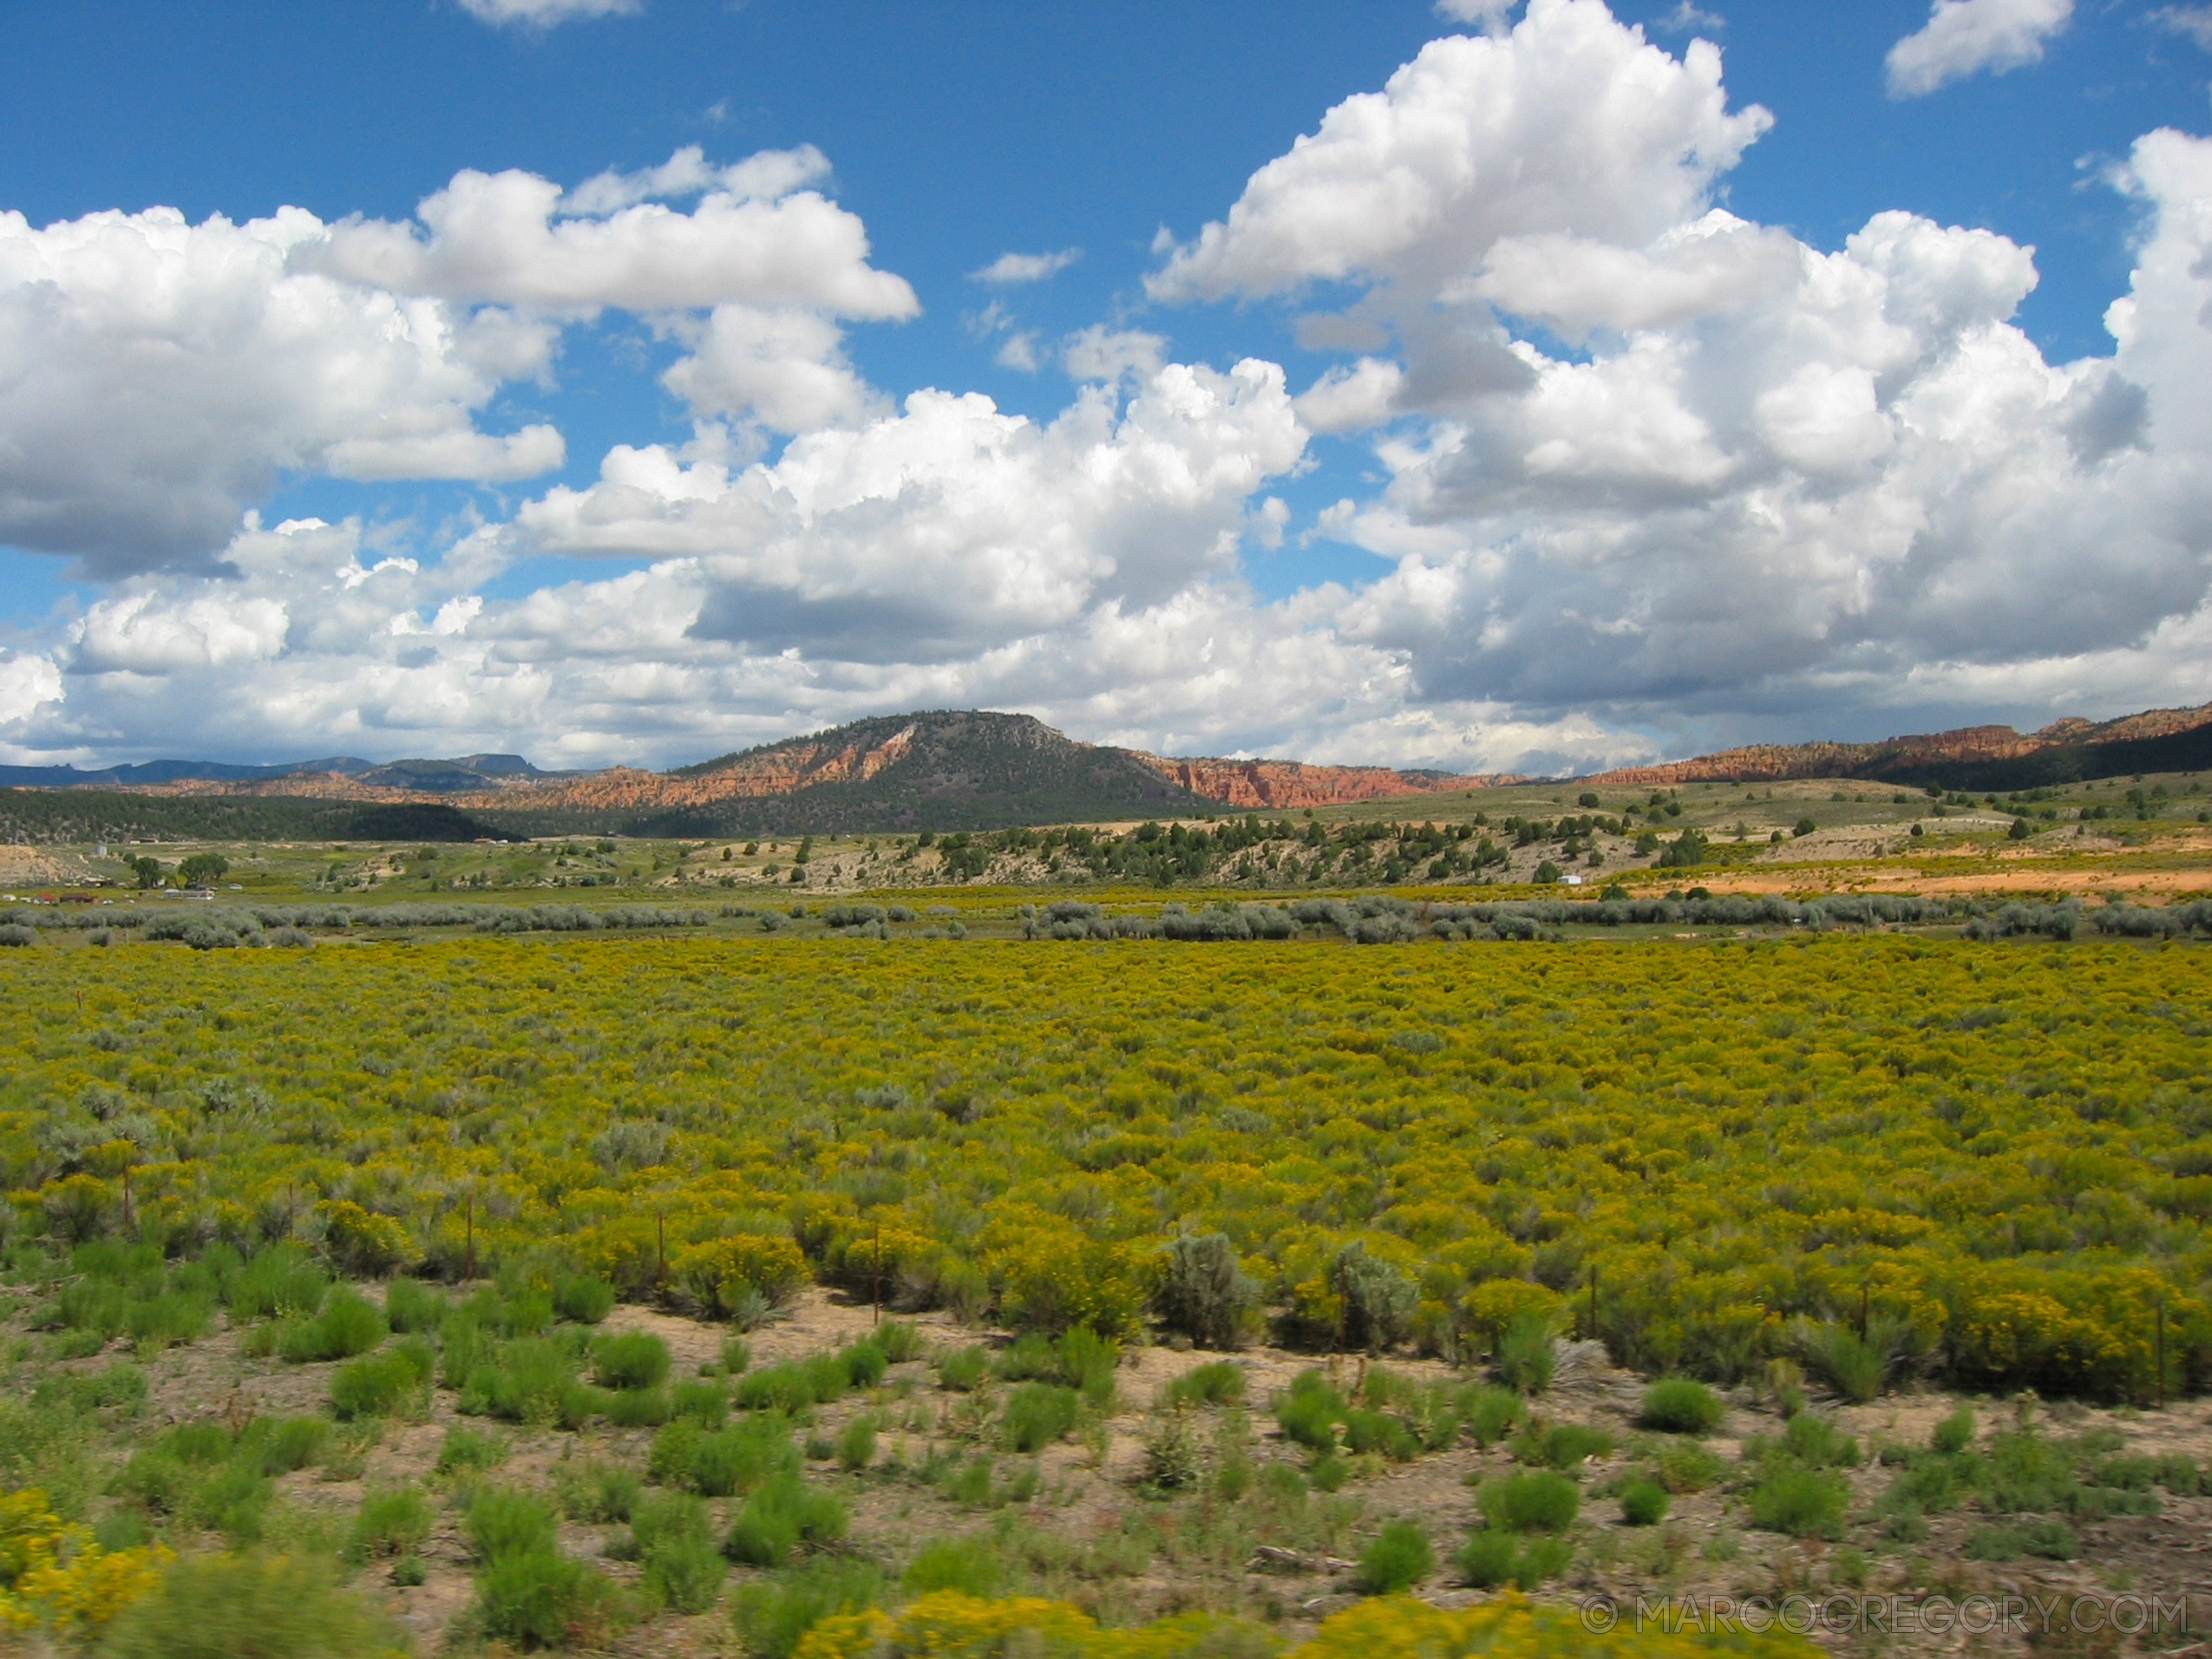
498 238
1010 269
161 375
951 528
1570 126
1962 37
545 13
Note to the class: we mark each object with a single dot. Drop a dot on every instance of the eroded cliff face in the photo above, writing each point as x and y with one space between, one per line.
1773 763
1288 785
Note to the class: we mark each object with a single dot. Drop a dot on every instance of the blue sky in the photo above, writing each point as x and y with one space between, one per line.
1425 592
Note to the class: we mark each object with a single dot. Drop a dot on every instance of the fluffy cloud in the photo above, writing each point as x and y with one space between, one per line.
162 375
1762 488
544 14
1775 480
1573 126
761 177
1010 269
498 238
784 369
754 278
950 528
1964 36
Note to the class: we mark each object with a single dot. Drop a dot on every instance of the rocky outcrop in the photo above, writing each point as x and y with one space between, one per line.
1289 784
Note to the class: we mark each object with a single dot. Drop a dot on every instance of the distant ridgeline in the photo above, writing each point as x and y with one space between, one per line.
946 770
46 816
1976 758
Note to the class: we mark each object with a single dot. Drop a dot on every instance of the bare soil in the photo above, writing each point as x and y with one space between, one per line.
1093 1533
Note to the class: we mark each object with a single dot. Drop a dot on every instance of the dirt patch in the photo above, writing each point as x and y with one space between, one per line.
1078 1522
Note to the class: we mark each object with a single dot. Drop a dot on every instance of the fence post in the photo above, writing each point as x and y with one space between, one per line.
2162 1353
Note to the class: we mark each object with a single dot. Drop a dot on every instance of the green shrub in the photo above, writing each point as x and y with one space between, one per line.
587 1300
634 1359
1538 1501
348 1324
1541 1559
1524 1358
288 1444
736 1355
1491 1558
1490 1413
1560 1446
1852 1366
1309 1412
539 1599
246 1607
164 1320
1328 1472
1643 1503
469 1451
1800 1502
1376 1431
597 1492
503 1521
1685 1466
411 1305
1220 1383
829 1376
705 1403
374 1386
901 1340
638 1407
531 1381
963 1369
1088 1363
782 1513
787 1389
1400 1558
972 1566
2046 1536
282 1282
687 1576
1035 1414
865 1364
1955 1433
856 1444
661 1518
1817 1441
771 1618
390 1522
1680 1406
720 1463
1485 1561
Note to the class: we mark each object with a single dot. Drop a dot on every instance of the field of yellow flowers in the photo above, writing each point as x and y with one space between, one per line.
1989 1164
1865 1164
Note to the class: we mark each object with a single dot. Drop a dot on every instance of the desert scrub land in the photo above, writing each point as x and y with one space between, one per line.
1186 1258
643 1483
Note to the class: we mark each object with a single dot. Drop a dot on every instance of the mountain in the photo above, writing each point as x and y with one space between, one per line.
468 772
949 769
936 769
939 770
1972 758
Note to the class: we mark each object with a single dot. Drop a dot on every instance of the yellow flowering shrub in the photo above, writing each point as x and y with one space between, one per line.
949 1626
1998 1151
54 1577
720 1270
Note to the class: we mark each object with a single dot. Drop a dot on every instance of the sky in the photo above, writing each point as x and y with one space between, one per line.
1536 386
